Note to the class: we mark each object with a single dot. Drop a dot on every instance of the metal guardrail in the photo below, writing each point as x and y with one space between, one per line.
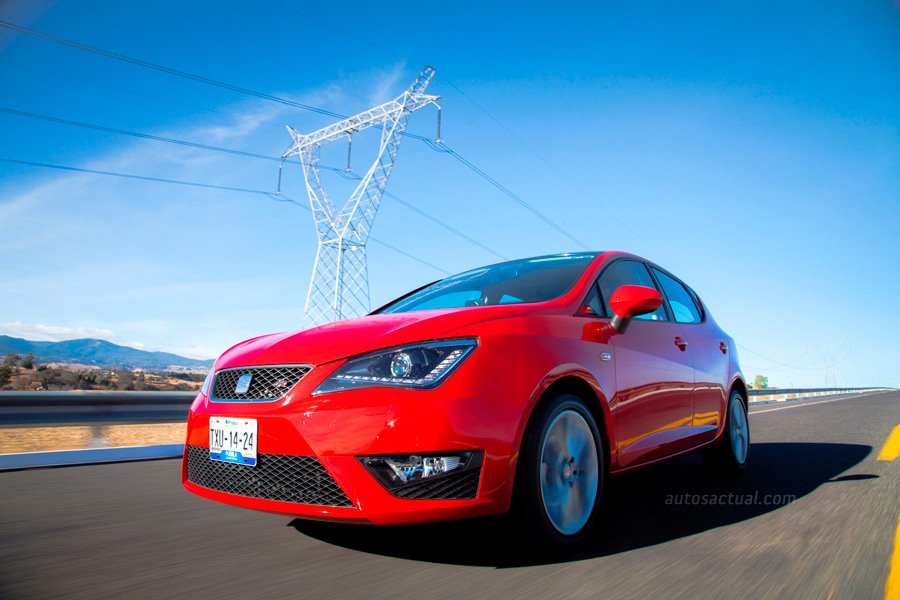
30 408
769 395
781 391
92 456
61 408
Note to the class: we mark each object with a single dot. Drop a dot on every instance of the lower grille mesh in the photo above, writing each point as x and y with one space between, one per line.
453 486
298 479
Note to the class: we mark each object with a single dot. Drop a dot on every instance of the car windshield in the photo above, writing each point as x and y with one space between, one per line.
515 282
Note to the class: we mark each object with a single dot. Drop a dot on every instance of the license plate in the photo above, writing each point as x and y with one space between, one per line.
232 440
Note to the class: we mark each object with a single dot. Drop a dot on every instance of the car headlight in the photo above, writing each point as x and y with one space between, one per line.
204 389
422 365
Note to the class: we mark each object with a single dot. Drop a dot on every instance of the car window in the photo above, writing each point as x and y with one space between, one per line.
627 272
592 306
507 299
680 300
462 298
530 280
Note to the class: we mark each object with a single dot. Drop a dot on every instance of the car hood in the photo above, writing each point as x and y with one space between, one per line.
341 339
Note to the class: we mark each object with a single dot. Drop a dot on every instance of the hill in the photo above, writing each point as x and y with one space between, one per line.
99 353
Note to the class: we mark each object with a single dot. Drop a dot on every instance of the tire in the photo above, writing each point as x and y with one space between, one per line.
730 454
561 475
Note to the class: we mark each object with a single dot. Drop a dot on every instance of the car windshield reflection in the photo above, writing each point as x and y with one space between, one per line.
530 280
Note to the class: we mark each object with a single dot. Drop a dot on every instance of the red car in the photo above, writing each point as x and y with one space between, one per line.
522 385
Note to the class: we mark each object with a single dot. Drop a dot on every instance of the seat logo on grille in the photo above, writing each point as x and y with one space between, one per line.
243 383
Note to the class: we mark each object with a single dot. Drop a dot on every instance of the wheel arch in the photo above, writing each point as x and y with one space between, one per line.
586 388
740 386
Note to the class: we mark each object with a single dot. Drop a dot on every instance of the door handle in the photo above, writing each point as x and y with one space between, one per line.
681 343
723 347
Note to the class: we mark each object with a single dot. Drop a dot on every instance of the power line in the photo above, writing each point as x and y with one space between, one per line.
531 149
53 74
240 89
425 215
176 72
131 176
270 195
343 172
578 187
448 150
282 198
145 136
778 362
468 164
408 255
853 356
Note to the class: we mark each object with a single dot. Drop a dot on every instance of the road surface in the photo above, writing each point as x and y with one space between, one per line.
813 517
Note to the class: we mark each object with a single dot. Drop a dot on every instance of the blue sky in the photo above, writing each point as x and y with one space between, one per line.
753 148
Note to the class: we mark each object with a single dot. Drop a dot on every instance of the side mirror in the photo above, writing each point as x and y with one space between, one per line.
630 301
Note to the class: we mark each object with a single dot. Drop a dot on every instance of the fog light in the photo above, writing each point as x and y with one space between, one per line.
398 470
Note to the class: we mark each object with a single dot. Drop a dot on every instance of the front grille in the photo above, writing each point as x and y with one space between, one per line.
453 486
266 383
298 479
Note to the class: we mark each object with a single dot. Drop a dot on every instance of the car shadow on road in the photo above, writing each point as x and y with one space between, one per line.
642 508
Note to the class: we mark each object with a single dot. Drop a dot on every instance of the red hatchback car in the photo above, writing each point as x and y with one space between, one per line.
522 385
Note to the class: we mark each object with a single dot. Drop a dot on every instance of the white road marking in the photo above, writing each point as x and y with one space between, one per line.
754 412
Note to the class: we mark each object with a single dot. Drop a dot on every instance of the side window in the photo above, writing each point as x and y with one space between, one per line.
683 307
592 306
627 272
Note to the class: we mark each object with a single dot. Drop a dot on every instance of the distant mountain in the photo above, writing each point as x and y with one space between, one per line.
98 352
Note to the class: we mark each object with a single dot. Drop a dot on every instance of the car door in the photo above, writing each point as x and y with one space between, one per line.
709 350
653 404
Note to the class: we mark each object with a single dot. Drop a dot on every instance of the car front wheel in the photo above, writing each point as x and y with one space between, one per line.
562 473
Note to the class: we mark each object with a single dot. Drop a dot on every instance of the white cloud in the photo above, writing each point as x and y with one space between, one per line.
254 125
121 249
53 333
388 84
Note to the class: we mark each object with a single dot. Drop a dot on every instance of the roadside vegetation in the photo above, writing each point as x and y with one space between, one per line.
24 373
760 382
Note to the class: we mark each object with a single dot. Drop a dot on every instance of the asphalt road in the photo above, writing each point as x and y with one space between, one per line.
130 531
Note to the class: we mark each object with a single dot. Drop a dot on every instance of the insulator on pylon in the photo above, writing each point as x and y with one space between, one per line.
349 148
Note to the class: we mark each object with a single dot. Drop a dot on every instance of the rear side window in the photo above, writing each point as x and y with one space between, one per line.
627 272
684 309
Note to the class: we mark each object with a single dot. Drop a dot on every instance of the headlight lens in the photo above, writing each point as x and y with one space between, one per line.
401 365
422 365
204 389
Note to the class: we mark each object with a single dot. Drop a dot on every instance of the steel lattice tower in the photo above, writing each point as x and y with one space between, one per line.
339 287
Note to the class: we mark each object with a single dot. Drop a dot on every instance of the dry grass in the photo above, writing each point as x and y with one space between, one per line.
78 437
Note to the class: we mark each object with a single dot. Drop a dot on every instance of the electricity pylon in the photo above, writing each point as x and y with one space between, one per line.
339 287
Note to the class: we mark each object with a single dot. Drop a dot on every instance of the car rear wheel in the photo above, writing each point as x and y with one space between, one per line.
729 455
562 473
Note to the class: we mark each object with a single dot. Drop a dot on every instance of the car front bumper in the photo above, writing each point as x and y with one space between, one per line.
308 449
